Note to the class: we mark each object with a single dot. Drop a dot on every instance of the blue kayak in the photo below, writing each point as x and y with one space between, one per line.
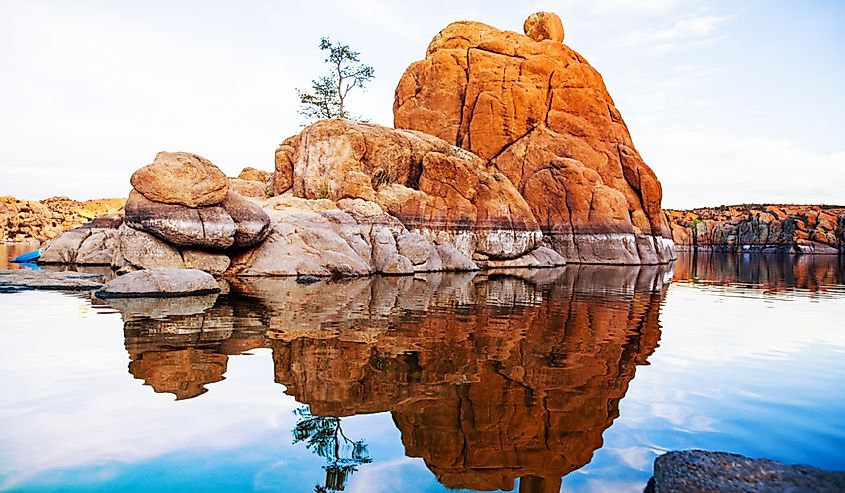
27 257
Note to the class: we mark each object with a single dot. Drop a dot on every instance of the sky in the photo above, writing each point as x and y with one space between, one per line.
729 102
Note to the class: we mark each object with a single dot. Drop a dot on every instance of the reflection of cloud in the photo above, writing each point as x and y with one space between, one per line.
386 476
738 339
689 31
640 458
81 406
597 485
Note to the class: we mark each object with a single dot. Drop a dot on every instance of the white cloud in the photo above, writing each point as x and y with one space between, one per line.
711 168
686 32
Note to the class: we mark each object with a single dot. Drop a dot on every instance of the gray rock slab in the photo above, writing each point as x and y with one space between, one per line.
701 471
21 280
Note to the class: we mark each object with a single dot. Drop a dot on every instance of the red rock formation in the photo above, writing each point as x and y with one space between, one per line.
537 111
817 229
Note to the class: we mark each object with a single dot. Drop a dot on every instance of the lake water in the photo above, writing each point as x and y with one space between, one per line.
574 378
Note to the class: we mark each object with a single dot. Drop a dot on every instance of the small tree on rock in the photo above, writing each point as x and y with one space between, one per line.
328 95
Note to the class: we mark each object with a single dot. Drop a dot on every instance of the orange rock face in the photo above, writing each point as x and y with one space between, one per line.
541 26
538 112
426 183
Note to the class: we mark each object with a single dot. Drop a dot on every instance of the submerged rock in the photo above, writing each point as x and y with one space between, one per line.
699 471
24 279
160 283
132 309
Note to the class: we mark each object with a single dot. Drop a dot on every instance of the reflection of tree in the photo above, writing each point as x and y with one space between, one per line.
324 436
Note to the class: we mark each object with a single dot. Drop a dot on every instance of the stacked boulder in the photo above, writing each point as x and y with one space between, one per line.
180 213
183 213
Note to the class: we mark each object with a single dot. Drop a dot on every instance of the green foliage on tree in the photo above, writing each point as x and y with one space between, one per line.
328 95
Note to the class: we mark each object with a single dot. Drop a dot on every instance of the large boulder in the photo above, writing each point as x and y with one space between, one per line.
253 174
304 240
248 188
432 187
235 222
181 178
346 239
540 114
203 227
92 244
252 224
140 250
160 283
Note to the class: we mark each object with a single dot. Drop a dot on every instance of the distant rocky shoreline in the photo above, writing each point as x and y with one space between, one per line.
765 228
38 221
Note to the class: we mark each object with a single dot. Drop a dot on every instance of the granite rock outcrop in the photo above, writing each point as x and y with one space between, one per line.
534 109
293 236
430 186
160 283
508 152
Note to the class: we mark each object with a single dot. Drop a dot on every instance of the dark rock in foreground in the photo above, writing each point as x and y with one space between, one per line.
703 471
160 283
22 280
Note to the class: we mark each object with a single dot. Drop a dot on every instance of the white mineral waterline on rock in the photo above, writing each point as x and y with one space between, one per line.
507 243
504 243
463 241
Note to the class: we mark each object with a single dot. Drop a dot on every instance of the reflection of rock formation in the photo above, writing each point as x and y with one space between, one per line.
492 379
189 349
772 273
489 377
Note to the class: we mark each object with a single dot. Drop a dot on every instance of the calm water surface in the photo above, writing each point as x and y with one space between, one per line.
569 379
